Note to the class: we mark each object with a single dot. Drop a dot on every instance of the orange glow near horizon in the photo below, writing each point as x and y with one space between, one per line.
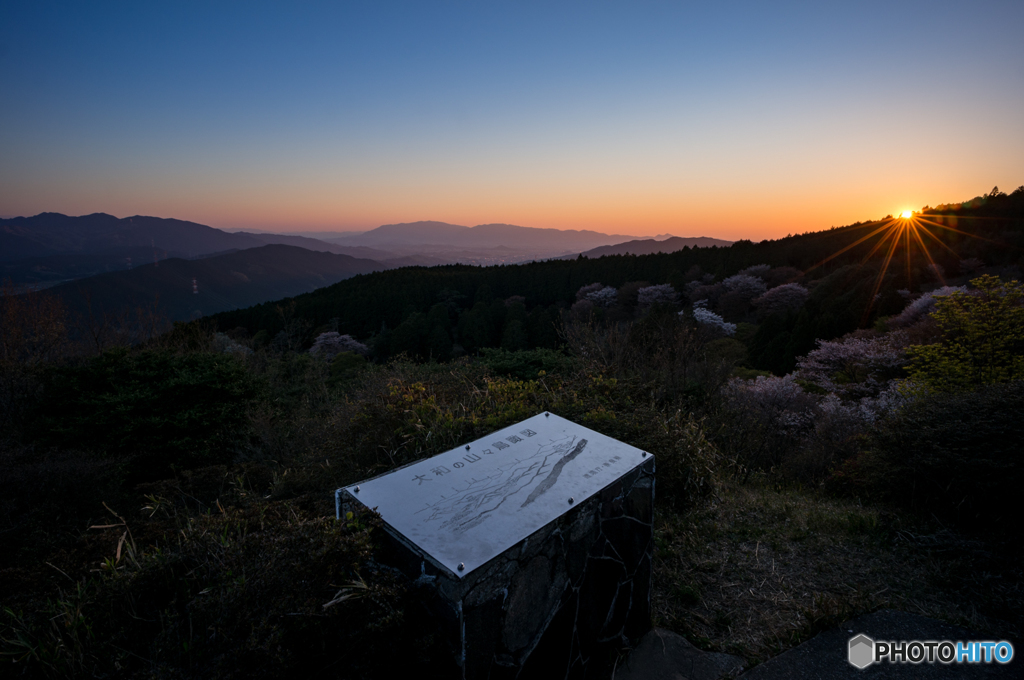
634 209
769 218
742 217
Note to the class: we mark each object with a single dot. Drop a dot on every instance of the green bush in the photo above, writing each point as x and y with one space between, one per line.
48 496
982 338
180 409
345 367
525 364
957 456
258 591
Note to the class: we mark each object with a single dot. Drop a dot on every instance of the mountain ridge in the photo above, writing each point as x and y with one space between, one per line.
50 248
651 246
55 233
489 235
225 282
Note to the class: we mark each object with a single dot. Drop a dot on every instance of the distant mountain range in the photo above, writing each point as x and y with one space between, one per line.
51 248
132 261
224 282
650 246
321 245
480 236
53 234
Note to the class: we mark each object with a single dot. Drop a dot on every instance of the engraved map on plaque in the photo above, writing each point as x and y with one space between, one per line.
470 504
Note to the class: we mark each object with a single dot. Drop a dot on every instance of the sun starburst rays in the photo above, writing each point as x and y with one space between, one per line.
953 229
910 231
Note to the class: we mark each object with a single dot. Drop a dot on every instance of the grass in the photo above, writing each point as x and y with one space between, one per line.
759 569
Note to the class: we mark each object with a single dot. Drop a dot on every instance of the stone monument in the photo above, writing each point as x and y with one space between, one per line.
537 541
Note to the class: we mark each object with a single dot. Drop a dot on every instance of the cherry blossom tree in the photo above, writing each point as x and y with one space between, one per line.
748 286
663 294
223 343
330 344
710 320
606 297
917 309
584 291
709 292
782 299
758 270
771 415
854 367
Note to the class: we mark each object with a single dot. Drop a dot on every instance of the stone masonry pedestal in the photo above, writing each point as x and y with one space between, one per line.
564 600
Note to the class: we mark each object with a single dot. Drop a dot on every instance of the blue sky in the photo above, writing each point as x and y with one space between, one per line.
720 119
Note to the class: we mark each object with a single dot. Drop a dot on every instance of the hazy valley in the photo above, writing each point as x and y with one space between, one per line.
150 263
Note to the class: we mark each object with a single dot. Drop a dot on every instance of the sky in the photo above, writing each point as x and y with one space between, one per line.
725 119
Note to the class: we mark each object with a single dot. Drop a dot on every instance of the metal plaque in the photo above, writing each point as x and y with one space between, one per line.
468 505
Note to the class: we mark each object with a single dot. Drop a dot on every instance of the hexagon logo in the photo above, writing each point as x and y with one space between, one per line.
862 651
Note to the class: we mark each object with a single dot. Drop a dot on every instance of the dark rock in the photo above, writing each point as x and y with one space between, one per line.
557 647
629 539
824 657
480 620
530 601
664 655
597 598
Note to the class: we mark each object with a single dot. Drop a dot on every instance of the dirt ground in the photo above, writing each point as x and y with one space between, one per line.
759 569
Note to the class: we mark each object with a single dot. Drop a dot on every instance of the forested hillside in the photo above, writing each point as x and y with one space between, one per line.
853 275
649 246
181 289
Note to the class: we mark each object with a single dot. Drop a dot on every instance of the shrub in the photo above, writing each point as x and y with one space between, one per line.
776 425
663 351
834 434
345 367
179 409
729 350
43 494
982 338
687 460
957 455
525 364
224 343
261 591
33 333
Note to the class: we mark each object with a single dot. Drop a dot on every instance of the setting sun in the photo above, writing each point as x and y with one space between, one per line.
907 214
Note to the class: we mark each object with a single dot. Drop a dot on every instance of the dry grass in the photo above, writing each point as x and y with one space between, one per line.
759 569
